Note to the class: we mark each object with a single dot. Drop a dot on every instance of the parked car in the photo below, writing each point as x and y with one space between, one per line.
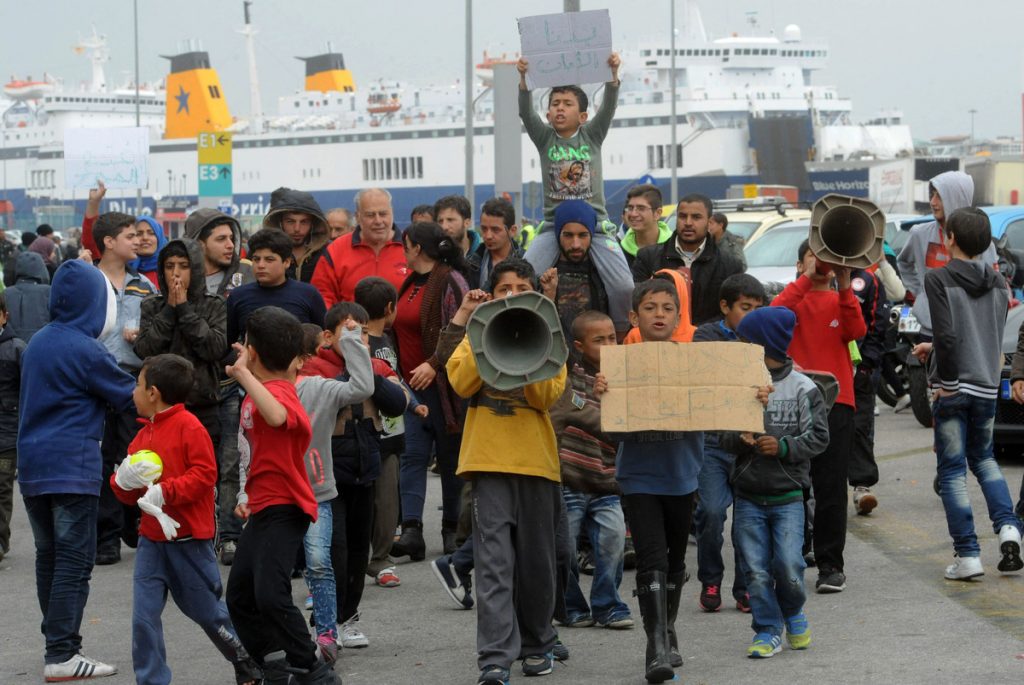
772 259
1008 431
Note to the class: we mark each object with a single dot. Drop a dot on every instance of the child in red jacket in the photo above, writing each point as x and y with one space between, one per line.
827 321
175 552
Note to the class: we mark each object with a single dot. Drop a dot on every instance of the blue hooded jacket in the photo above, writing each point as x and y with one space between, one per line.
65 392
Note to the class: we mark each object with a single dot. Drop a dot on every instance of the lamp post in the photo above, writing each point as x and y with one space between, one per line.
972 112
470 192
672 87
138 119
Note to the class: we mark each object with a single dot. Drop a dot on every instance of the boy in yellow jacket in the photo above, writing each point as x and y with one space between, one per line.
510 453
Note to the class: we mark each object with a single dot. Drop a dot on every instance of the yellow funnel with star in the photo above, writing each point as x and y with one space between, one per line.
195 100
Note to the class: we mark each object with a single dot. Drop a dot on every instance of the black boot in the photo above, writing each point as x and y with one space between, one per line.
448 534
675 591
275 669
321 674
410 544
651 591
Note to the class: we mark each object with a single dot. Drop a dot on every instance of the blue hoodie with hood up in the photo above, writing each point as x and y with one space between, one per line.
68 380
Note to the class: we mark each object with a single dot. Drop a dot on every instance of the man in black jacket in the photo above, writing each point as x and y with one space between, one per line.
863 470
221 239
694 253
299 215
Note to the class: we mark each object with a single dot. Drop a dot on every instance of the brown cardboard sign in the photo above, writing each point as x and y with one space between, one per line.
667 386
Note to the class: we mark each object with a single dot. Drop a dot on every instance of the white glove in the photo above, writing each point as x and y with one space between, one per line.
129 476
152 503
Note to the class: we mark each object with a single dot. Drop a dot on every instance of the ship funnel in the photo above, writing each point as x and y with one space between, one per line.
195 101
327 73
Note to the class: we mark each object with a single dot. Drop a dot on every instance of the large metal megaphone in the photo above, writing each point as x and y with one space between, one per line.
517 340
848 231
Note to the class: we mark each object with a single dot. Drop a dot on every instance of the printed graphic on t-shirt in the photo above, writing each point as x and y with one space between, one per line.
936 257
784 414
573 296
569 176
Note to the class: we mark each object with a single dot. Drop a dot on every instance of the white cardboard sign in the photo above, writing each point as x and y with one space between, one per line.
567 48
117 156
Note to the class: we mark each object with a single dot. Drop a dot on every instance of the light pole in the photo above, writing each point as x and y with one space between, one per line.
972 112
470 193
674 194
135 12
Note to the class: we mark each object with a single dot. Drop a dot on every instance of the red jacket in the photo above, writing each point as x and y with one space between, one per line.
826 322
189 476
348 260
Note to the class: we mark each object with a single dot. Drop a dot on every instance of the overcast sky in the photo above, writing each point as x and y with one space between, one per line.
935 61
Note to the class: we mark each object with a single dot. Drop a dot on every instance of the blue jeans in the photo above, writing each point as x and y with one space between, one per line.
422 437
963 437
319 571
715 498
606 528
771 539
64 528
188 570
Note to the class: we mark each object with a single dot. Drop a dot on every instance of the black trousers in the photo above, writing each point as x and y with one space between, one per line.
828 478
259 594
863 469
660 525
116 520
350 545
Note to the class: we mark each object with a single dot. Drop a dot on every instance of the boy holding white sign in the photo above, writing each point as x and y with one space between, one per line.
657 473
570 149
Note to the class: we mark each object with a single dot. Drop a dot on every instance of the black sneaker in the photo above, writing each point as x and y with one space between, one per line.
108 556
456 587
538 664
830 580
710 597
560 652
493 675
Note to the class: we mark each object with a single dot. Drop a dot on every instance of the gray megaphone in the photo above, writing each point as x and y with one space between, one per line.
848 231
517 340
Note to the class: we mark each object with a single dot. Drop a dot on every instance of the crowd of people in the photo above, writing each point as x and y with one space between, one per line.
279 413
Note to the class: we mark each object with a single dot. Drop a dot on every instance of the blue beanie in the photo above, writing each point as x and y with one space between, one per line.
575 212
770 327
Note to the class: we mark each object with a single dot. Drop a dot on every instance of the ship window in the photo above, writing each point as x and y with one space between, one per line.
419 167
645 53
296 103
387 167
405 167
366 171
214 91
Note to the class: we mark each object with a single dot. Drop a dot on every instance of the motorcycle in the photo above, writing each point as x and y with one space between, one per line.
908 331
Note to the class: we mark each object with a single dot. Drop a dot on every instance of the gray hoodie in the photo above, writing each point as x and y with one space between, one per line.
323 398
28 300
925 250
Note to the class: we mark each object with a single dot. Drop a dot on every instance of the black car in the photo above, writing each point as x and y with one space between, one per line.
1008 433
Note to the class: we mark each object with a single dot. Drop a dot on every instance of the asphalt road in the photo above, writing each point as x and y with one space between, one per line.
898 621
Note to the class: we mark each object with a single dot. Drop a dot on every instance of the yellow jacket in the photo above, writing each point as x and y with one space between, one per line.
505 432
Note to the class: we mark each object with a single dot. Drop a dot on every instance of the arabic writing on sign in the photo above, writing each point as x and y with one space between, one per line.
117 156
567 48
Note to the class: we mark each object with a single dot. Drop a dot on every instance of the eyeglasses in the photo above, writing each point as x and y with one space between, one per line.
637 208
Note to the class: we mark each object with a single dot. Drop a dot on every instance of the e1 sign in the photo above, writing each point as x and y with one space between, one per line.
567 48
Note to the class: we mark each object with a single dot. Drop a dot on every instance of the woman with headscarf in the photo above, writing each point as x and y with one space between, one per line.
47 249
151 241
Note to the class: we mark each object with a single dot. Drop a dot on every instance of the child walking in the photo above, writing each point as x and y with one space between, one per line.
278 502
175 553
772 469
322 398
967 300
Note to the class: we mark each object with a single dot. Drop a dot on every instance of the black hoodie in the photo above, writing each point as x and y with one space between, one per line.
284 201
967 301
196 329
239 272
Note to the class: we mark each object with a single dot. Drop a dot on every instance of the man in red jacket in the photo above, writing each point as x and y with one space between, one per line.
175 551
373 249
826 322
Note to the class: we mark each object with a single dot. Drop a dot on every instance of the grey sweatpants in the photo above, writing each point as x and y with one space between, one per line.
514 522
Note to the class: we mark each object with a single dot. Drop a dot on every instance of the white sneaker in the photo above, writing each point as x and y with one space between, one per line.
964 568
902 402
863 501
349 635
1009 547
78 667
